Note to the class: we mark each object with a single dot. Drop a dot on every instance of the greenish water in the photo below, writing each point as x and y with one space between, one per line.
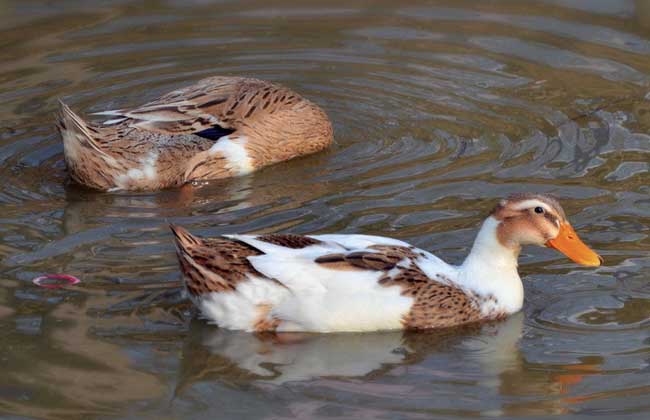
440 108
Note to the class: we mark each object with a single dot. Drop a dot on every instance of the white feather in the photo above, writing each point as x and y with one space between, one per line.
359 241
490 269
527 204
146 172
114 121
234 150
239 310
113 112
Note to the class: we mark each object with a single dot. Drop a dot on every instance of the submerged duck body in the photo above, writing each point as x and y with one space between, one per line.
334 283
217 128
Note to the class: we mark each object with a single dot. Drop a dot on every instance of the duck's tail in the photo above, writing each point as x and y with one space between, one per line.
77 135
212 264
183 238
193 256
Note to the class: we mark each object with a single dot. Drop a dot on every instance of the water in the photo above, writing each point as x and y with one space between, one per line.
440 109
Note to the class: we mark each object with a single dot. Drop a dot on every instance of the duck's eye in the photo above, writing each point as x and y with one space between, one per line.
539 210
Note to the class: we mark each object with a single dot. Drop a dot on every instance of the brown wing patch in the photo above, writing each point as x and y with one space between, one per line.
212 265
385 258
289 240
228 102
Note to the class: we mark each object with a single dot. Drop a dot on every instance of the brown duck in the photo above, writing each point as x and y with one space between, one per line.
217 128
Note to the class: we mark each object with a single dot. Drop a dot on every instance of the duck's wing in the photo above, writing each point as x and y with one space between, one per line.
210 108
314 264
344 252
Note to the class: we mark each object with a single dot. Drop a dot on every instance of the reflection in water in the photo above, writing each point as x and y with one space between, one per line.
440 107
70 365
286 357
212 355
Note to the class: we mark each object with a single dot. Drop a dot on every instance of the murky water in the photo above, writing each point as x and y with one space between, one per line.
440 108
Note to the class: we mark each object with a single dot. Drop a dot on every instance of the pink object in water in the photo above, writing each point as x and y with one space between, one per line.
55 281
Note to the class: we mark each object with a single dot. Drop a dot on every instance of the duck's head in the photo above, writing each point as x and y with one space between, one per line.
538 219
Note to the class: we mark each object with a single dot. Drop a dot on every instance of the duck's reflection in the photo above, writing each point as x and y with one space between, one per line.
91 220
239 357
488 357
266 192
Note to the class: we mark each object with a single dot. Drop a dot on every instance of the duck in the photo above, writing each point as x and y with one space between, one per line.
352 283
219 127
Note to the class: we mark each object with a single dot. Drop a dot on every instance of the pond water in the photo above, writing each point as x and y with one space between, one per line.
440 108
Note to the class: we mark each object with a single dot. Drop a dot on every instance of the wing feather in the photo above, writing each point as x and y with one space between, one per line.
226 102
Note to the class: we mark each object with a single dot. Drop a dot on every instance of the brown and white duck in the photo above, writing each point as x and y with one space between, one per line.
217 128
327 283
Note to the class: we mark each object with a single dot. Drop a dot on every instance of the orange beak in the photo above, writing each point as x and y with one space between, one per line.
568 243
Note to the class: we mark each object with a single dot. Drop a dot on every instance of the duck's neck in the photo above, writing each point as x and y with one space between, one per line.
490 270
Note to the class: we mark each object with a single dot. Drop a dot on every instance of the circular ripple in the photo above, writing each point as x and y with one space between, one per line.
595 311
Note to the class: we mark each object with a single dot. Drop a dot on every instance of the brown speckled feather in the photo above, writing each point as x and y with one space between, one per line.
383 257
229 102
288 240
437 304
214 264
270 122
220 264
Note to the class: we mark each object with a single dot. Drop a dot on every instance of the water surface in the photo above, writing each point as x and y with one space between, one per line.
440 108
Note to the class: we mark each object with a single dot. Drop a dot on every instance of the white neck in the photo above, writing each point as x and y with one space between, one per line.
490 270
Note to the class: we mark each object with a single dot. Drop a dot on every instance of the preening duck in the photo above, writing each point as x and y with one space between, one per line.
328 283
217 128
